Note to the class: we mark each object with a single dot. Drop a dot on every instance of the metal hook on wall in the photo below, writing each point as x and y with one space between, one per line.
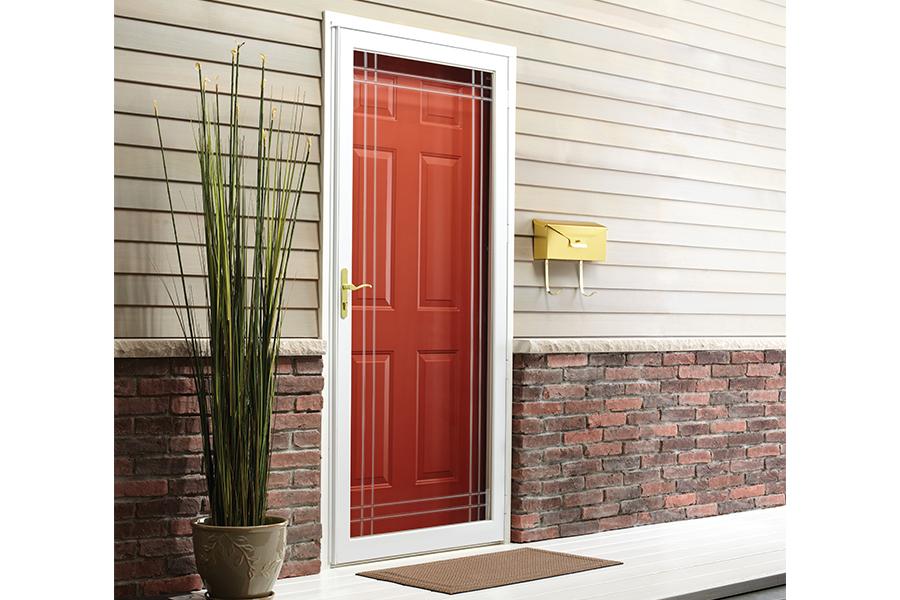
581 280
547 279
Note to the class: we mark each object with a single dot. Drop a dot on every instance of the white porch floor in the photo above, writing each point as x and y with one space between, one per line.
700 559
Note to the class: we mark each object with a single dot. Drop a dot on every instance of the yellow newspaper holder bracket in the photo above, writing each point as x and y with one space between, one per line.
568 240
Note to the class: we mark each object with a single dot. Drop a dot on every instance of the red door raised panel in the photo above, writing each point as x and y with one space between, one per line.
417 422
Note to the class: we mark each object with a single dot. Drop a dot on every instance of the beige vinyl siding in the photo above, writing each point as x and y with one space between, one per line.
662 120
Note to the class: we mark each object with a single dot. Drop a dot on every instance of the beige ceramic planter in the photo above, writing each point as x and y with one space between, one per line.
239 563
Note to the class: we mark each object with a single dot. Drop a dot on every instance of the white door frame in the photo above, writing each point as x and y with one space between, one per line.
343 34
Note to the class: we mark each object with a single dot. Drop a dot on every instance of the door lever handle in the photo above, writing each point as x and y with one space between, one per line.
353 288
346 288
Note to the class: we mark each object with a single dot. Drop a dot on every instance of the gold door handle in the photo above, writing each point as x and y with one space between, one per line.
346 288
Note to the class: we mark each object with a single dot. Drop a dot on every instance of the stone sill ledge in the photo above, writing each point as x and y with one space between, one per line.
660 344
172 348
177 348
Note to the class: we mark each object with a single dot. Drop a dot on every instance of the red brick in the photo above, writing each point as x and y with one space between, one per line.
534 535
124 386
707 413
286 498
771 500
657 488
764 450
166 546
537 376
775 356
775 383
727 426
644 359
582 498
544 440
689 429
607 359
292 421
746 356
746 383
658 372
300 458
579 528
622 373
583 406
643 417
628 432
566 360
677 386
618 522
679 500
582 437
140 406
139 569
725 481
567 423
524 521
679 472
678 414
693 399
538 408
566 453
702 510
187 444
622 404
707 357
693 372
763 369
695 456
603 449
775 410
679 358
712 385
748 491
595 480
165 386
299 384
564 390
762 396
308 403
168 465
599 511
729 370
659 430
147 487
712 441
607 419
639 388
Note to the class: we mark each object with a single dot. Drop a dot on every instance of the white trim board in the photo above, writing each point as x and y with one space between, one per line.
666 344
342 35
177 348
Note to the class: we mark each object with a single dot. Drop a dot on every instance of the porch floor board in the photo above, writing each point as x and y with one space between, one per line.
700 559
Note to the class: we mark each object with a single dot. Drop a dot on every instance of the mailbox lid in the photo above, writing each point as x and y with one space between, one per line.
563 240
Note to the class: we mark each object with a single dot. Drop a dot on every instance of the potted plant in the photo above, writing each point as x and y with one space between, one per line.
247 226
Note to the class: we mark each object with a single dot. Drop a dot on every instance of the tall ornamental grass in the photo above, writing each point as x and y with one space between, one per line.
247 232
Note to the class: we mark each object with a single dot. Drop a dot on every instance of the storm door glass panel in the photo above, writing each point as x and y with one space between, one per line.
420 191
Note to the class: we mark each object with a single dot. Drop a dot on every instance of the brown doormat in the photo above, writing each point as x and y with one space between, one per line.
484 571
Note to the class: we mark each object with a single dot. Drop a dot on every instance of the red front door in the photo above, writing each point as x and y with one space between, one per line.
418 374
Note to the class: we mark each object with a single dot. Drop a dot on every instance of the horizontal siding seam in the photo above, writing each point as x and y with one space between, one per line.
639 103
218 31
583 44
641 33
702 25
639 149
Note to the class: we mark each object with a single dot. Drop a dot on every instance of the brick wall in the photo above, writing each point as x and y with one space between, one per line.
605 441
159 487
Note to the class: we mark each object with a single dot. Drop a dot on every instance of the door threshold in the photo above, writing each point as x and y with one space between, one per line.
433 553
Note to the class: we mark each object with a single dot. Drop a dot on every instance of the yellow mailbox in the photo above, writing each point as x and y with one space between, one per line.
568 240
